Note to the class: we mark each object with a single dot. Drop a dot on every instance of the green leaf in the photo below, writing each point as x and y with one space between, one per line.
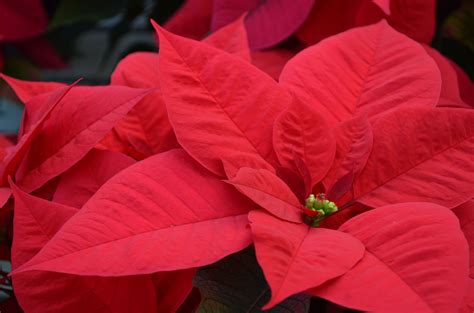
236 285
73 11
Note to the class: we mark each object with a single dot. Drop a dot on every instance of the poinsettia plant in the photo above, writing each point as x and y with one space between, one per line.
348 179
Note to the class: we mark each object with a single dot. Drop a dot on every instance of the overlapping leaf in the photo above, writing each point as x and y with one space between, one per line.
367 70
262 30
226 112
60 144
36 222
270 192
419 154
80 182
298 257
12 160
160 214
416 260
301 133
354 141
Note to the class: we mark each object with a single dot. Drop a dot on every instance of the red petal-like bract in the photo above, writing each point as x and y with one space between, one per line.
146 128
354 141
416 260
262 30
21 19
270 192
300 132
367 70
296 257
34 95
80 182
36 222
12 161
163 213
226 112
192 20
26 90
94 110
419 154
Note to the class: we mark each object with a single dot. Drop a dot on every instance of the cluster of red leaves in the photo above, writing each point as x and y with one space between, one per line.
22 22
121 192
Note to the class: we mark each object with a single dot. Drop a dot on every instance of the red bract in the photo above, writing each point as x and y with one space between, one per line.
146 128
408 265
152 221
80 182
301 141
262 30
36 222
354 117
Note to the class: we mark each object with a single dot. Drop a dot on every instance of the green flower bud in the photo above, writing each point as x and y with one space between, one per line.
318 205
332 207
310 201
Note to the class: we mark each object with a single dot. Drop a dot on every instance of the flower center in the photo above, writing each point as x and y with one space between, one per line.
318 208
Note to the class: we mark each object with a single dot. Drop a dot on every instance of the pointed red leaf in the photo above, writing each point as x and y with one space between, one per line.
81 181
12 160
365 70
167 212
26 90
226 112
36 222
450 95
193 19
270 192
62 143
301 132
296 257
146 127
354 141
419 155
262 30
416 260
231 38
465 214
